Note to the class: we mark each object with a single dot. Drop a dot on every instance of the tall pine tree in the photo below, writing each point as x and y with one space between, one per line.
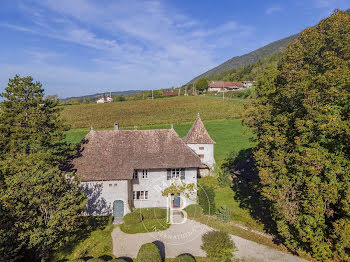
302 120
40 204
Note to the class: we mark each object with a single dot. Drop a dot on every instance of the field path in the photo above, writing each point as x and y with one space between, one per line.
186 238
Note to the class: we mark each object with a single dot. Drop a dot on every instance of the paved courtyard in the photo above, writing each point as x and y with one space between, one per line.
186 238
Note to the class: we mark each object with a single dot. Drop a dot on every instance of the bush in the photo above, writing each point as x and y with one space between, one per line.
206 199
223 214
132 218
185 258
194 211
218 246
77 260
149 252
118 260
224 177
152 213
95 259
208 181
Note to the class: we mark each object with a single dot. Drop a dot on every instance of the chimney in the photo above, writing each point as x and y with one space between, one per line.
116 126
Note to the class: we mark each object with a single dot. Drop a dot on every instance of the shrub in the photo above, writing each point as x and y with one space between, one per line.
194 210
208 181
149 252
117 260
218 246
77 260
185 258
132 218
223 214
224 177
152 213
206 196
95 259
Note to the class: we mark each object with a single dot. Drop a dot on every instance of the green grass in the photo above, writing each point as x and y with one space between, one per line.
229 135
150 112
97 243
226 197
147 225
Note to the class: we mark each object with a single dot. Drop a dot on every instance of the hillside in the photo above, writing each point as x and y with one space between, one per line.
124 93
250 58
150 112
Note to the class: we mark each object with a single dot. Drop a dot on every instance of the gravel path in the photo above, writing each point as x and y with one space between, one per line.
186 238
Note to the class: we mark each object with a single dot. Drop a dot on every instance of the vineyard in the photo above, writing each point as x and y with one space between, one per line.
150 112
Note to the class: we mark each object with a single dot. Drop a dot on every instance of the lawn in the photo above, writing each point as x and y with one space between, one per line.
229 135
150 112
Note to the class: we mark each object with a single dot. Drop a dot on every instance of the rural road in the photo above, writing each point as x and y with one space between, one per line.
186 238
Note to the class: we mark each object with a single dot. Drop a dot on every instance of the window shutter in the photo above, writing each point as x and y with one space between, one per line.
168 176
182 174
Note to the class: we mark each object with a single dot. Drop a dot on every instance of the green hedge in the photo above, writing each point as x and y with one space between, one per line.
95 259
208 181
206 199
185 258
152 213
132 218
149 252
194 211
218 245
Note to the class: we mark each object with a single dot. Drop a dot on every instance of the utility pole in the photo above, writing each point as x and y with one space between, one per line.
223 90
179 91
152 94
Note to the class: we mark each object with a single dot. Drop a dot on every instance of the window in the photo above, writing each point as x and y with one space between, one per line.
115 184
201 148
201 156
140 195
175 173
135 175
144 173
110 185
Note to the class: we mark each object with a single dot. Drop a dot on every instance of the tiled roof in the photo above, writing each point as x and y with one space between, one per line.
198 134
225 84
114 154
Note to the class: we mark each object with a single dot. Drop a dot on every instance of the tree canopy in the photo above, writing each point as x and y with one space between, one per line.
40 203
301 117
201 84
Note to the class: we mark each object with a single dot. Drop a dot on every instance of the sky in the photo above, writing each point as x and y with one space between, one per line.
81 47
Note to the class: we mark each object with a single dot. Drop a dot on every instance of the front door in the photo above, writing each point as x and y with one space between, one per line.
176 201
118 208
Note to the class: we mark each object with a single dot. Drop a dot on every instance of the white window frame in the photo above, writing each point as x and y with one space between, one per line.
144 173
140 195
175 173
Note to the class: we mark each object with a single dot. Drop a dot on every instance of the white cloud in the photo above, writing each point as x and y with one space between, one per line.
149 43
273 9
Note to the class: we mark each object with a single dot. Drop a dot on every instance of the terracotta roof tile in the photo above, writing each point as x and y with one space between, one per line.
114 154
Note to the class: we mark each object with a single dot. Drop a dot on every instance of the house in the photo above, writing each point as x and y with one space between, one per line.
248 84
104 99
125 169
170 92
219 86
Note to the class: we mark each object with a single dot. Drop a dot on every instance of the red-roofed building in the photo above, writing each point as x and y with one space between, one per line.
219 86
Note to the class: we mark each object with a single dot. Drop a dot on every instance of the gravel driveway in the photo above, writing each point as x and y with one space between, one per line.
186 238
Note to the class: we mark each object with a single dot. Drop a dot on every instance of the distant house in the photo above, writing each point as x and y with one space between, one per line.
126 169
104 99
248 84
219 86
170 92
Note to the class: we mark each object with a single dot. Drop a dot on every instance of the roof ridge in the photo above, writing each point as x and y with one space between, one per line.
198 134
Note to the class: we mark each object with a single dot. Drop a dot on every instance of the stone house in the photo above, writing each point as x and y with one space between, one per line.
126 169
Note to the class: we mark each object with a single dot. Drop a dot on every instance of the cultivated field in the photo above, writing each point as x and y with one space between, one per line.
150 112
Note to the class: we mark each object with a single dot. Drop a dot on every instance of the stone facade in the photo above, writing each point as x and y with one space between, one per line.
205 152
102 194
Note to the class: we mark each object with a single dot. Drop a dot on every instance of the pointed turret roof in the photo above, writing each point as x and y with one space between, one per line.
198 134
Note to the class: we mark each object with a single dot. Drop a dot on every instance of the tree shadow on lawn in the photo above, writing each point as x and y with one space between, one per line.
247 188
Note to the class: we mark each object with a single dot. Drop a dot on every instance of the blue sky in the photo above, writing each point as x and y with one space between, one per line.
79 47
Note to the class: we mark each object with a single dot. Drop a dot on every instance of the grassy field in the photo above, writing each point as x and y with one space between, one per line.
228 134
150 112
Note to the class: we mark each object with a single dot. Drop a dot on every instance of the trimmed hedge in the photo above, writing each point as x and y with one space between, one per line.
95 259
132 218
209 181
149 252
194 211
152 213
218 245
185 258
206 199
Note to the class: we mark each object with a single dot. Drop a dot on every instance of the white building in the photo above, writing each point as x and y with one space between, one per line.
106 99
124 169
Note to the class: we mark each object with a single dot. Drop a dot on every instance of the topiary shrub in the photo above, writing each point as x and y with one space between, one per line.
208 181
132 218
194 211
152 213
223 214
218 246
95 259
185 258
206 199
148 252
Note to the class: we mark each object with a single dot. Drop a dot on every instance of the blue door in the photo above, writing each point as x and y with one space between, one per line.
176 201
118 208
